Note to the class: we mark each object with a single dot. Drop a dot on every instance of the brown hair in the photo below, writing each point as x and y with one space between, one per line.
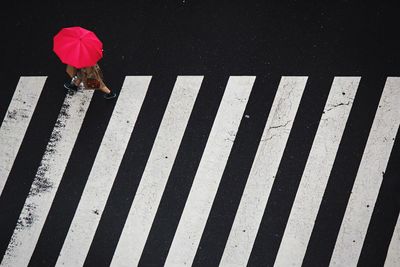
92 72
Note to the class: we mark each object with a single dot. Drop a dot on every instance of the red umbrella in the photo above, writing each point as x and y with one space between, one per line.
77 47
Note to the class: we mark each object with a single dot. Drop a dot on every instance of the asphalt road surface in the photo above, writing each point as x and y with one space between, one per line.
252 133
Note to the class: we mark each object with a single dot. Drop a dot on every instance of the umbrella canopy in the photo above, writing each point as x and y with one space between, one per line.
77 47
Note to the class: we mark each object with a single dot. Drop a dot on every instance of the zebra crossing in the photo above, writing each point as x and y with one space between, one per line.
263 172
99 183
16 121
316 172
78 245
372 167
156 172
47 179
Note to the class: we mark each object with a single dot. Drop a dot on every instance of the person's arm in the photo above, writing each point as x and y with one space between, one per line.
71 71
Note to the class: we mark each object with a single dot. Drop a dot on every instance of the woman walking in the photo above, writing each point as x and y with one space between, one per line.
80 49
90 77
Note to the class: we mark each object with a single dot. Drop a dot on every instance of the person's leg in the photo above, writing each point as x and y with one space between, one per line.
104 89
108 94
73 84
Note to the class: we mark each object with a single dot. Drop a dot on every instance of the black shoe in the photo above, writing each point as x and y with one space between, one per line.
110 95
71 86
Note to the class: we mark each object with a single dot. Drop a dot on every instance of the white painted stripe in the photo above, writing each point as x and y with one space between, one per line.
263 171
317 171
369 177
104 171
16 121
157 170
393 254
47 180
209 172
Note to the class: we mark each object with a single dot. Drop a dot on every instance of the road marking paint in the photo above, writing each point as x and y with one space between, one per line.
317 171
47 180
210 170
369 177
263 171
157 170
16 121
393 255
103 172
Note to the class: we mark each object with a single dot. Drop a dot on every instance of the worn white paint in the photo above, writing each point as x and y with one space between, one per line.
16 121
104 171
210 170
157 170
47 180
317 171
393 254
369 177
263 171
